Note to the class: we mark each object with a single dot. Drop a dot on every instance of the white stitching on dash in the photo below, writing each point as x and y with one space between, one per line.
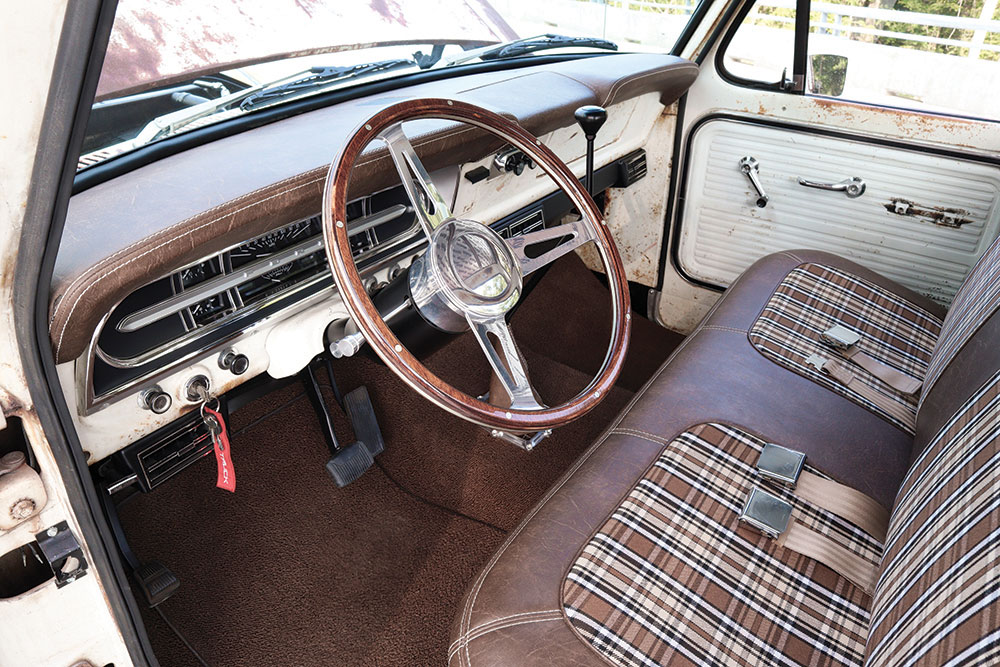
115 268
416 141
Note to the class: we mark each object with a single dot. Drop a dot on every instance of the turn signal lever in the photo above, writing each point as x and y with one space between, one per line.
590 119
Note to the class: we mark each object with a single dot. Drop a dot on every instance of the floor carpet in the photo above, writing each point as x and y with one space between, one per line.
292 570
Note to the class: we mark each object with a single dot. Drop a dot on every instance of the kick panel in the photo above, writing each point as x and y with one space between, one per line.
920 218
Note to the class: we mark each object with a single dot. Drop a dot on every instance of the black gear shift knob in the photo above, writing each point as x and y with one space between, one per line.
590 118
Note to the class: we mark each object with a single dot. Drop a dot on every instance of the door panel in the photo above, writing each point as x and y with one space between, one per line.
902 226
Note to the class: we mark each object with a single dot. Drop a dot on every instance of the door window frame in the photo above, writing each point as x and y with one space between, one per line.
800 58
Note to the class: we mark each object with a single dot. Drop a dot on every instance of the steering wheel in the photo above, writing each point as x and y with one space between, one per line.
469 277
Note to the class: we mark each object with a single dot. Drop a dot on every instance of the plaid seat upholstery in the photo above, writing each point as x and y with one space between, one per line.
976 300
937 601
812 298
673 576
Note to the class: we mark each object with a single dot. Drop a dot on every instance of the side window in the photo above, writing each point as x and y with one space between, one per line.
928 55
762 49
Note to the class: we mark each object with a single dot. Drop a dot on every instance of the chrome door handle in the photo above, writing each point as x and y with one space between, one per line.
852 187
750 167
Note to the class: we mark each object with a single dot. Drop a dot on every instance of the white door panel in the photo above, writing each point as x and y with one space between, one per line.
723 231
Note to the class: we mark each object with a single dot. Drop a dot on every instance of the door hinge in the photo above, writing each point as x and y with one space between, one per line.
62 551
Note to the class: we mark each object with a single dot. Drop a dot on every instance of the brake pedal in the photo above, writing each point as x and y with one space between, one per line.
349 463
156 582
361 413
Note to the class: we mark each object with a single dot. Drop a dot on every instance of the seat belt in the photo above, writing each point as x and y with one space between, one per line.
845 342
785 466
849 379
773 517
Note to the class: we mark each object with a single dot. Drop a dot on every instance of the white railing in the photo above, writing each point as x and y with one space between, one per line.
832 15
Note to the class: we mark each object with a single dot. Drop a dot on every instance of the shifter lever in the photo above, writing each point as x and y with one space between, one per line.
590 118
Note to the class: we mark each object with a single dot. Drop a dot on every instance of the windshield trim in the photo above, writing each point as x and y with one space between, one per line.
106 170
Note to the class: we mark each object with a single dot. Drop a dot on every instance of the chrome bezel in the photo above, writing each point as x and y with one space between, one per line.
380 256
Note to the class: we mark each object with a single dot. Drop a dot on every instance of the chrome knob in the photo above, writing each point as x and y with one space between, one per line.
155 400
235 363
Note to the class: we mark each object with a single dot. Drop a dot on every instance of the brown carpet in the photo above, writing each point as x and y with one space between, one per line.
292 570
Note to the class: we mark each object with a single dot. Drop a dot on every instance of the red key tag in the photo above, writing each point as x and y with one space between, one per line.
223 457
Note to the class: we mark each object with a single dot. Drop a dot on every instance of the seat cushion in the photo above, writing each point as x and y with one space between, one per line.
673 577
812 298
514 611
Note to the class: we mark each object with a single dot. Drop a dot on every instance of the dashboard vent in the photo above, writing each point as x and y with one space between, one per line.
632 167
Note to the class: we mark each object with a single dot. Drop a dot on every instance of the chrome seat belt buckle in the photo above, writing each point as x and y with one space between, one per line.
840 337
781 464
817 361
766 512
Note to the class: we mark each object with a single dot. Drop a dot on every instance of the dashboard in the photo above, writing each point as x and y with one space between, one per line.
206 302
170 271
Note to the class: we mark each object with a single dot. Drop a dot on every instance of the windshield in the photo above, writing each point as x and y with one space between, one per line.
176 65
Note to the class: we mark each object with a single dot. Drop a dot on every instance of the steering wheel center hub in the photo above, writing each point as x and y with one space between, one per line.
472 269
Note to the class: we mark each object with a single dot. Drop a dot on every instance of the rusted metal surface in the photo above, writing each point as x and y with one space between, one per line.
938 215
635 214
157 42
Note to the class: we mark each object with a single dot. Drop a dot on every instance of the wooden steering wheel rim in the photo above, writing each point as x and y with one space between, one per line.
377 332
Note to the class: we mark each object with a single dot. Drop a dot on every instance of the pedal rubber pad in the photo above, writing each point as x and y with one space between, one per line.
349 463
359 409
156 582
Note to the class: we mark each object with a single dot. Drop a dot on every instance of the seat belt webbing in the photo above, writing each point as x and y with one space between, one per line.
896 379
847 503
841 560
885 403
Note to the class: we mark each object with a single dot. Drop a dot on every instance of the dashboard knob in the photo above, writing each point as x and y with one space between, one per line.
156 400
235 363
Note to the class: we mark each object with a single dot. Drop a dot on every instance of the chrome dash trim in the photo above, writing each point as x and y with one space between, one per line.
213 286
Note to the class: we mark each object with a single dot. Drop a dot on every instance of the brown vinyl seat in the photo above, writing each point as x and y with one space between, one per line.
637 557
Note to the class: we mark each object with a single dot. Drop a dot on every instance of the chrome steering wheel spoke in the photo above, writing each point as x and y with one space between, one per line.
428 203
508 368
575 234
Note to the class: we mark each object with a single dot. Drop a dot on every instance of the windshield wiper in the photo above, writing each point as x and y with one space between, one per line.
316 77
520 47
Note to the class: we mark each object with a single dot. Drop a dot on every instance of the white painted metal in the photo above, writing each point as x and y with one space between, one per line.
45 625
723 232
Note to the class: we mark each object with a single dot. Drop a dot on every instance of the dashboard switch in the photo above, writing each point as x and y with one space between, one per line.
235 363
156 400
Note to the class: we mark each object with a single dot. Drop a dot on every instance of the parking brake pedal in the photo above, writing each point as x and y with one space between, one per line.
156 582
348 463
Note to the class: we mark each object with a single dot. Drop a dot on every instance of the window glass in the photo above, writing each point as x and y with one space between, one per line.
173 66
934 55
763 46
929 55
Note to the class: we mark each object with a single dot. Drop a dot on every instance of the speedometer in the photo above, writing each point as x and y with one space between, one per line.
268 244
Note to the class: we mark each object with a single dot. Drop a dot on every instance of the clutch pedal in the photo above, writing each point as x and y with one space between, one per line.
348 463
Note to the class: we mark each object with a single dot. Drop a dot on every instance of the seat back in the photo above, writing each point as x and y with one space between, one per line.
972 309
937 600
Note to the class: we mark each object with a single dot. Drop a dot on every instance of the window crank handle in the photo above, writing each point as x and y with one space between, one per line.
853 187
751 168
